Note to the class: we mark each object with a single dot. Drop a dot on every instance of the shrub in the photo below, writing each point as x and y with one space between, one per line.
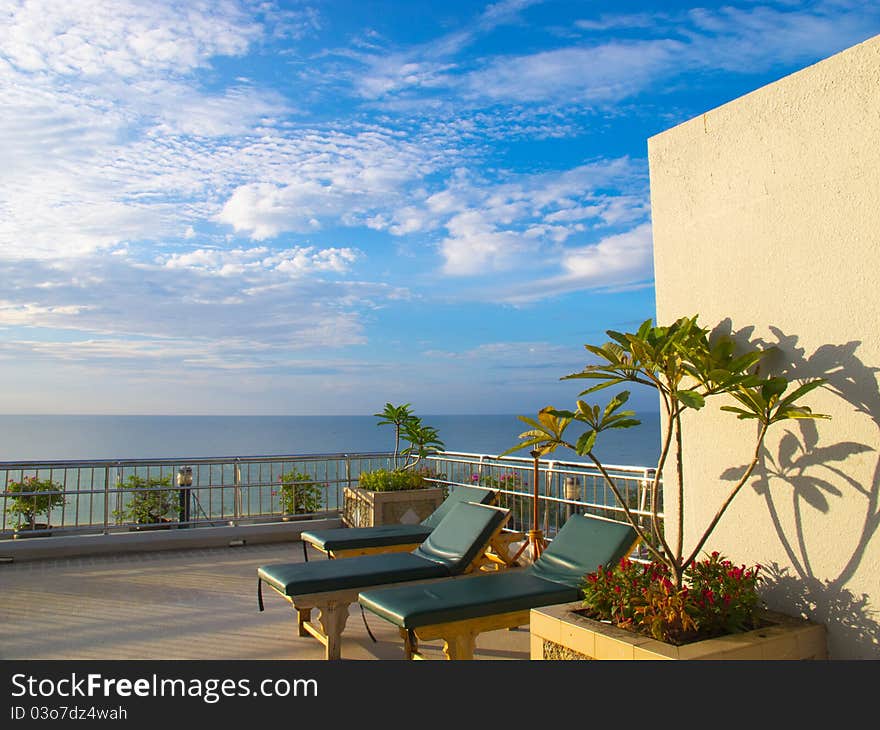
27 508
383 480
717 598
152 501
300 493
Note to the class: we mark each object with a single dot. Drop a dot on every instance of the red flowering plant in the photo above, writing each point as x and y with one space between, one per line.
716 598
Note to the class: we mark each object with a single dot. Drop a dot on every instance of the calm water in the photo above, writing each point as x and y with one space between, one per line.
132 437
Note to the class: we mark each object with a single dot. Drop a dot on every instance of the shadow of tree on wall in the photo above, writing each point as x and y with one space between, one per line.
817 475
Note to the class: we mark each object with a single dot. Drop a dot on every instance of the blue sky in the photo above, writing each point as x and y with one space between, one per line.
317 207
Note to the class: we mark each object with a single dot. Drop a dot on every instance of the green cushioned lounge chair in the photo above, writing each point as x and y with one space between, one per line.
346 542
455 547
457 611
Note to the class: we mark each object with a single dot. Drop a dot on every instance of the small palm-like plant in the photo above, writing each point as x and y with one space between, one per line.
686 369
423 440
397 416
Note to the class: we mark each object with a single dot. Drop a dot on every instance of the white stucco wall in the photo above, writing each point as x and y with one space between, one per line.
766 213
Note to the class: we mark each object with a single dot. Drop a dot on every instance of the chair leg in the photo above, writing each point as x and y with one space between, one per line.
302 615
410 644
332 617
460 646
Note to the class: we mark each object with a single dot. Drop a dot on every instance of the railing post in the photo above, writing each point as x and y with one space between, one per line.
572 487
548 492
106 529
236 502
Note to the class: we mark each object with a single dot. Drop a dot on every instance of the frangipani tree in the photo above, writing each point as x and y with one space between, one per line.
686 369
423 440
397 416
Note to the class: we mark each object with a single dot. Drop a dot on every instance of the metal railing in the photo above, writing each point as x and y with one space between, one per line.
564 487
98 496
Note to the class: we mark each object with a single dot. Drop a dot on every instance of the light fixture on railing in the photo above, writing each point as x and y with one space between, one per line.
184 481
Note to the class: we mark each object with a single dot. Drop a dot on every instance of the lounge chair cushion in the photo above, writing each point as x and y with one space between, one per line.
412 606
299 579
579 548
452 546
354 538
456 495
461 535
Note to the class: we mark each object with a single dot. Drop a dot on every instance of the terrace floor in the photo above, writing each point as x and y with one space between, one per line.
181 604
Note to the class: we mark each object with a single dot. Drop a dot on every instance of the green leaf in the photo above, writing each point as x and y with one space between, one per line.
619 337
585 443
563 414
624 423
601 386
741 414
773 387
801 390
690 398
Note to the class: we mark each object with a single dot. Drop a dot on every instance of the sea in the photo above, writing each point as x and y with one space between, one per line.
91 437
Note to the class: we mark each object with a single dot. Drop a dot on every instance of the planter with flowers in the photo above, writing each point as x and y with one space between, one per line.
676 605
406 493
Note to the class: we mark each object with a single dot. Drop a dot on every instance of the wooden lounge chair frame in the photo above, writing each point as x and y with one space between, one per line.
333 606
459 637
498 556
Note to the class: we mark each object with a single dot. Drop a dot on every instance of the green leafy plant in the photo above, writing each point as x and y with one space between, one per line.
716 598
151 501
687 368
27 507
397 416
423 440
300 493
391 480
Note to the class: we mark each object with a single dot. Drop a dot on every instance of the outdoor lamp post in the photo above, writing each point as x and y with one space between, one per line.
535 535
184 481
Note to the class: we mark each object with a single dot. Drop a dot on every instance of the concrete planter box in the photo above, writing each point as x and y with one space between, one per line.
557 632
363 508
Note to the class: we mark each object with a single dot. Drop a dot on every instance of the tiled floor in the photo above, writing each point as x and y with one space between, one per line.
180 604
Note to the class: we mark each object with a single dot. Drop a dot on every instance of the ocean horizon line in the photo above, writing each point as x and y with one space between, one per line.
264 415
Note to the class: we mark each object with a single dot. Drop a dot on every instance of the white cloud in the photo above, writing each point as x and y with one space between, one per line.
318 175
475 246
123 38
521 223
604 73
596 72
294 262
616 261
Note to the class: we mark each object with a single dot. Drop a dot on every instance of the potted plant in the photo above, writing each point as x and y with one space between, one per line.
687 368
153 503
405 493
30 498
299 494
